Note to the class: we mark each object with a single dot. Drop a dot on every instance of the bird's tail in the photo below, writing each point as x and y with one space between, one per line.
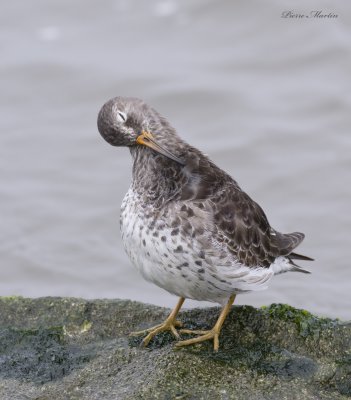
297 268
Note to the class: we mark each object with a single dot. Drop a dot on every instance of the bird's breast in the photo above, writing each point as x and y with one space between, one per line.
145 236
178 261
160 252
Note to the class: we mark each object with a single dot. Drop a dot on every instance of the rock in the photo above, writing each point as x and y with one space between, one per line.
65 348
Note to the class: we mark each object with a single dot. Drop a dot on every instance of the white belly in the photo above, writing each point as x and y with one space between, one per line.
155 252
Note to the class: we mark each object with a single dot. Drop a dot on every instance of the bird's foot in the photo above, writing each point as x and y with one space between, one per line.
204 335
169 324
210 334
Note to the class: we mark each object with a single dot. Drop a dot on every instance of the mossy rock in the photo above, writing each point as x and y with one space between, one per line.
64 348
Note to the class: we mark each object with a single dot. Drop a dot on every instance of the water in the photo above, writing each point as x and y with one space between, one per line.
267 98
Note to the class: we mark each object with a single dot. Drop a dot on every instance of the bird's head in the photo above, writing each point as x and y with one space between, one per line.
127 121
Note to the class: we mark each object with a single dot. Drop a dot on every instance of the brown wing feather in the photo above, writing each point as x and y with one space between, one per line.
239 222
244 227
288 242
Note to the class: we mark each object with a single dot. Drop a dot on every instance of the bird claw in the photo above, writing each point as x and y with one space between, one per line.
203 336
168 325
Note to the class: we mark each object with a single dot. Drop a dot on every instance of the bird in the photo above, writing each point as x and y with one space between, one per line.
186 224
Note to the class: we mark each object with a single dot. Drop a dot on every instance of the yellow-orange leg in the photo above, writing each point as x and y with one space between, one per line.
169 324
211 334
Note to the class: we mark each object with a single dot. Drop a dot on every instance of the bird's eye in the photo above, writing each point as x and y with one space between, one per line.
121 116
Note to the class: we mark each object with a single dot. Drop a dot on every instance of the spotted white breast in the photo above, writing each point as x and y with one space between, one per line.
179 264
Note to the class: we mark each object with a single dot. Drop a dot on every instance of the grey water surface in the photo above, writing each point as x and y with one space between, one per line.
267 98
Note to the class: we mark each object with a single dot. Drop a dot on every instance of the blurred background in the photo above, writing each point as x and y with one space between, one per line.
267 98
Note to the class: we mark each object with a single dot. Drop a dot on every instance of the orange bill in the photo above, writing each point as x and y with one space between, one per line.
147 139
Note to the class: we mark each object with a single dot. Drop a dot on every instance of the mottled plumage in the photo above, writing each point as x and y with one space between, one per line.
186 224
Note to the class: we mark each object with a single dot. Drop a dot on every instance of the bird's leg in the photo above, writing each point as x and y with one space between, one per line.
169 324
211 334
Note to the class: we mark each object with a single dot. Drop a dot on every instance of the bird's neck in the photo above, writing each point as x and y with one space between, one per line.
160 180
154 176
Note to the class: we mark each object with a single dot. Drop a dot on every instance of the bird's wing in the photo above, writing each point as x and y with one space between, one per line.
243 226
238 222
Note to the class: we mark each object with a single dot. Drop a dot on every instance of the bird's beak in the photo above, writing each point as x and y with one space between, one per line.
146 139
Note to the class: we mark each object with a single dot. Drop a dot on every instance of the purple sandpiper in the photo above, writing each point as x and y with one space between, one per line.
186 224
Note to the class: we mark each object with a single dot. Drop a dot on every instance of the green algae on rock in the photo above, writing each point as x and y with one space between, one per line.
64 348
